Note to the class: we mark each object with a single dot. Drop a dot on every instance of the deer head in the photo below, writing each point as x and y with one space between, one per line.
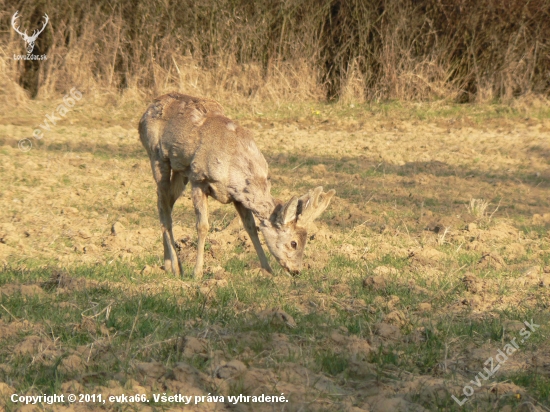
29 39
286 232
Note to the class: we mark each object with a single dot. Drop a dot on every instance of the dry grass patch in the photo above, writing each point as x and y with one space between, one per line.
409 286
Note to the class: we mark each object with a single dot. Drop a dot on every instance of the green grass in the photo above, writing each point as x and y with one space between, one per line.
538 384
332 363
139 323
381 209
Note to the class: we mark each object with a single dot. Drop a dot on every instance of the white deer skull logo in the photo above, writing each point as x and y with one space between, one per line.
29 39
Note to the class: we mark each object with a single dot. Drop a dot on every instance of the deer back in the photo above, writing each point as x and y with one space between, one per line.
195 136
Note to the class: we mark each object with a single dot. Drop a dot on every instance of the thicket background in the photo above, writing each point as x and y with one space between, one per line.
347 50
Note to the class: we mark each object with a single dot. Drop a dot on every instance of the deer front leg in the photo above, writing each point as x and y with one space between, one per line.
200 202
250 226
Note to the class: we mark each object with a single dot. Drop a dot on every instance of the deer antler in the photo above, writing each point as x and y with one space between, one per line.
313 204
13 21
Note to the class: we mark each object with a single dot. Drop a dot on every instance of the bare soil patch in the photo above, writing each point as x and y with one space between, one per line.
409 287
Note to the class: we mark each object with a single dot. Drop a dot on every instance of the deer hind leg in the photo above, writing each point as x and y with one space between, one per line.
161 173
177 186
200 202
250 226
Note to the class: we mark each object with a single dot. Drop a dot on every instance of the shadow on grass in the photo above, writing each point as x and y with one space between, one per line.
433 185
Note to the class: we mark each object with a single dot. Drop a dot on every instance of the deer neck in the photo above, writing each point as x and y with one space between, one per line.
264 211
262 205
255 196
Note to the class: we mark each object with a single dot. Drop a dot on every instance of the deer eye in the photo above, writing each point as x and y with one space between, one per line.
293 244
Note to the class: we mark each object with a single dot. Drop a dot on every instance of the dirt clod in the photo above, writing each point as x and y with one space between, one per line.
387 331
63 280
385 271
514 251
6 390
151 369
374 282
30 345
358 348
25 290
395 317
72 386
117 228
492 259
277 316
230 369
424 307
545 281
72 364
532 272
84 233
190 346
472 283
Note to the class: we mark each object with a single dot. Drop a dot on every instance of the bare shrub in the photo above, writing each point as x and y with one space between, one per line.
478 208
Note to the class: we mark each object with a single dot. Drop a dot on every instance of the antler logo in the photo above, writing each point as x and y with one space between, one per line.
29 39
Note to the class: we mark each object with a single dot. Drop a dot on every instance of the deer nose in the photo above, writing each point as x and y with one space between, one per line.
293 271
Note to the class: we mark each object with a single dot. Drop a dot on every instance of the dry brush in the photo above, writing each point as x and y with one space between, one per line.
463 50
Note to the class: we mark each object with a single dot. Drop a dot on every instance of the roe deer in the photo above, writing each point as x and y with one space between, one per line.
189 139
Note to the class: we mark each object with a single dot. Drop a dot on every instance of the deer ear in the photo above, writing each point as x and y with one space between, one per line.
288 212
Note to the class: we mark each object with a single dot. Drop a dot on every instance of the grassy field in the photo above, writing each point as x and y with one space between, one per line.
427 263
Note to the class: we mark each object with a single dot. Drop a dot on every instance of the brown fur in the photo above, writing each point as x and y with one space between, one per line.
189 139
